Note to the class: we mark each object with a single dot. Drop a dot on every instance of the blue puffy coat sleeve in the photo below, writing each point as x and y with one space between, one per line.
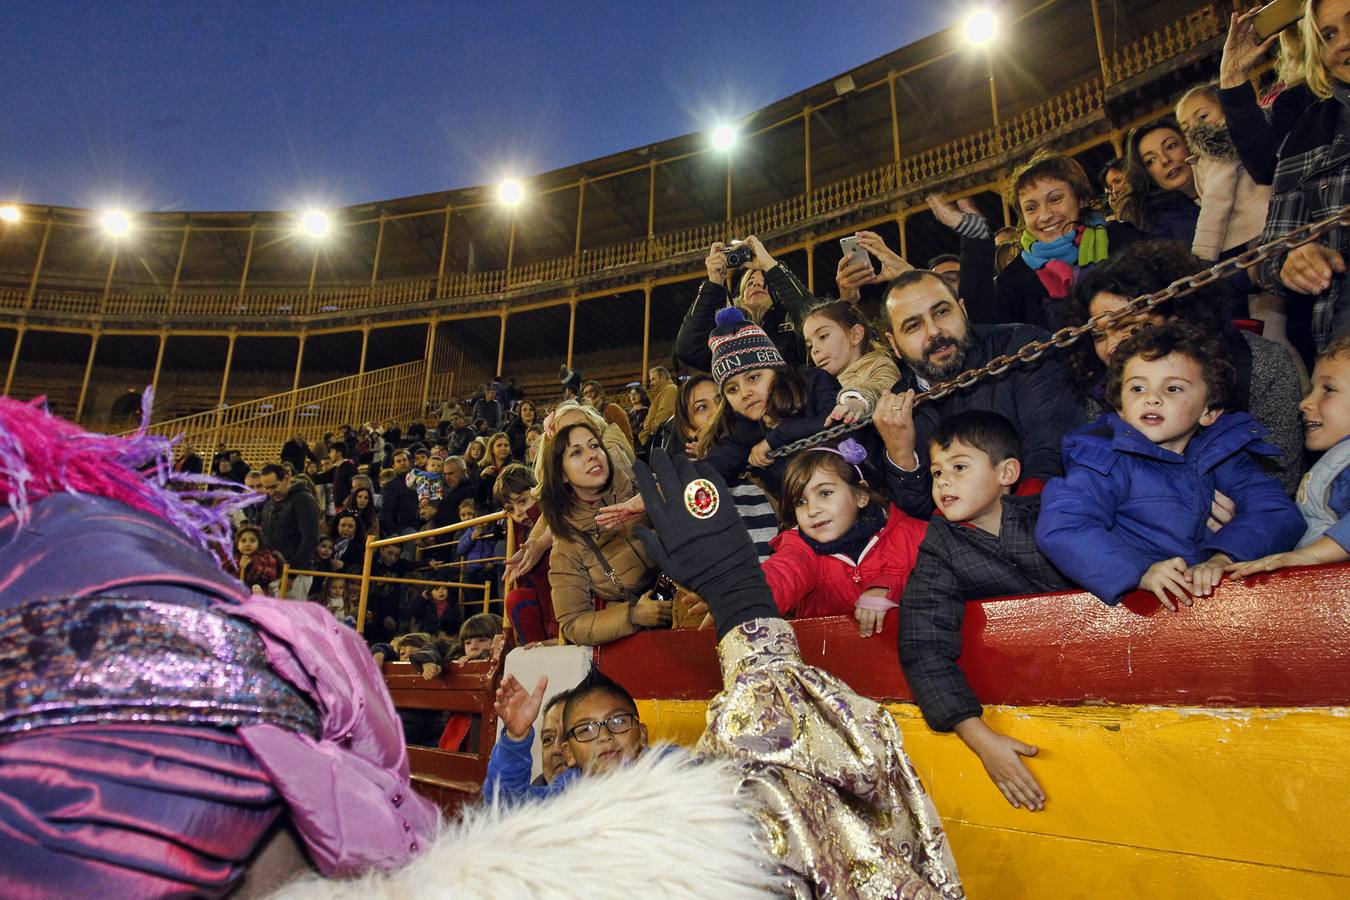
1267 521
1074 532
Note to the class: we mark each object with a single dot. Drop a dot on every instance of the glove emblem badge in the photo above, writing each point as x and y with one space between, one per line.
700 498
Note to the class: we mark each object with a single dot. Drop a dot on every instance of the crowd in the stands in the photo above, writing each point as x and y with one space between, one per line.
1201 441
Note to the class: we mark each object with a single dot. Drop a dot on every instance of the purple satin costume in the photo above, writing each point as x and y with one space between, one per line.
159 770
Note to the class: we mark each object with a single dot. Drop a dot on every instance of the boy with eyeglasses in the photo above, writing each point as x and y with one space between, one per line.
600 726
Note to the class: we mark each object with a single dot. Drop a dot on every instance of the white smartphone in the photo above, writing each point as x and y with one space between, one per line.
854 252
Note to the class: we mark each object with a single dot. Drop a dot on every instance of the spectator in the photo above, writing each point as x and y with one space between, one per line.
765 404
1266 384
579 476
190 463
1162 199
475 457
637 409
526 417
349 546
341 470
947 266
296 450
983 545
553 760
458 487
841 343
1117 186
1324 498
571 382
290 524
594 395
663 404
841 553
1257 132
383 601
398 509
529 603
498 457
533 437
225 469
477 634
1307 186
253 563
488 409
428 484
361 503
1131 511
474 544
696 409
435 613
1062 236
769 295
927 328
238 468
460 435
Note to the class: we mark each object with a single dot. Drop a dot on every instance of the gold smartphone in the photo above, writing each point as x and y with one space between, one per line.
1276 17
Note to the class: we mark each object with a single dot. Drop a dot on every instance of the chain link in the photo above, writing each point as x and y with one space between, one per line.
1070 335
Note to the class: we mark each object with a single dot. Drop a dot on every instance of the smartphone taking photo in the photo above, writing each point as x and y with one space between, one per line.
1276 17
854 252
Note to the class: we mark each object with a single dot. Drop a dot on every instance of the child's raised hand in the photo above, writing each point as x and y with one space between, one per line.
1167 578
518 708
1205 577
759 455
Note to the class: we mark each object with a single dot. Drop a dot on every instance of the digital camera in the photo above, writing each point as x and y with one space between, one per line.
739 255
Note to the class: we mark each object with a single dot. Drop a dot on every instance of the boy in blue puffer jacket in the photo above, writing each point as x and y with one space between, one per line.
1132 507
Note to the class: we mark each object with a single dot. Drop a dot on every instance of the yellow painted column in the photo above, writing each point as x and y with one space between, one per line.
159 366
14 358
88 370
295 386
379 245
571 329
353 413
224 386
314 271
993 99
37 267
651 198
576 244
1101 44
107 282
511 247
426 359
178 267
895 121
806 138
811 268
445 245
728 187
501 344
646 331
248 260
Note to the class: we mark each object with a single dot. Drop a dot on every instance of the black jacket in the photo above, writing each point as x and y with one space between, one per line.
1257 133
1016 294
1035 397
783 321
292 526
958 563
398 507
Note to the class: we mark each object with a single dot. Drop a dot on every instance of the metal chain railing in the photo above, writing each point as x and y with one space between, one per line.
1068 335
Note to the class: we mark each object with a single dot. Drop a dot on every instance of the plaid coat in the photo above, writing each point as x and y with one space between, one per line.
958 563
1312 181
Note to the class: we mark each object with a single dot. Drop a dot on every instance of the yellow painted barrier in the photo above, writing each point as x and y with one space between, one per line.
1158 802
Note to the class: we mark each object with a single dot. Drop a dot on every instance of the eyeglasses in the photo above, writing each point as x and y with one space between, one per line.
616 724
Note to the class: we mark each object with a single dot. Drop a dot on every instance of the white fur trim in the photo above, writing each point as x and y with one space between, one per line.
666 826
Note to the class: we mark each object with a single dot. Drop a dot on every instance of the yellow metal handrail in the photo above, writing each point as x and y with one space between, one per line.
372 545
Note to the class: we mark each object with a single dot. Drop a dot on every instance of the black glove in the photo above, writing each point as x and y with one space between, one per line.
714 556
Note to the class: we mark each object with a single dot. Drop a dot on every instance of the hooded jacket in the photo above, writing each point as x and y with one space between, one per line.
807 585
1126 503
292 526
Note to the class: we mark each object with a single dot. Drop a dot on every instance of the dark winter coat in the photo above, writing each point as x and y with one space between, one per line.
782 323
292 526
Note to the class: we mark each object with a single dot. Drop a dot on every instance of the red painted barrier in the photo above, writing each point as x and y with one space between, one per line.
1274 640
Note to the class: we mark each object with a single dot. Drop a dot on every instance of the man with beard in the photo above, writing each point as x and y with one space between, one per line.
927 327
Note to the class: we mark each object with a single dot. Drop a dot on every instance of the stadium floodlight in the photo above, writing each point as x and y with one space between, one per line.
981 27
724 137
116 222
315 224
510 192
10 213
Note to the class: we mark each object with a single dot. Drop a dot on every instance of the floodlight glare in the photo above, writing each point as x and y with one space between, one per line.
9 213
314 223
510 192
724 137
981 26
116 222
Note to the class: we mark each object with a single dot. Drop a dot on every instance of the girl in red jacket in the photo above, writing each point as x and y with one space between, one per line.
845 556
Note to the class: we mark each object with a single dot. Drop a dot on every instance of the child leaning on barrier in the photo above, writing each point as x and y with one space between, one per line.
1324 495
983 545
1132 508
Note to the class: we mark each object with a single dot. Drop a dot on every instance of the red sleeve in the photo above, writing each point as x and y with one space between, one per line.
792 572
909 534
1029 487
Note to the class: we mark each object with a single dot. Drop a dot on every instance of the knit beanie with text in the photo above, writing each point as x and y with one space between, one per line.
739 346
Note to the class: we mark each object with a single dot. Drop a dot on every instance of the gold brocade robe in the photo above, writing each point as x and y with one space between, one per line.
839 804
